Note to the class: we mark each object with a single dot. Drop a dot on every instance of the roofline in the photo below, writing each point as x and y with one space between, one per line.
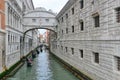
32 4
66 7
31 11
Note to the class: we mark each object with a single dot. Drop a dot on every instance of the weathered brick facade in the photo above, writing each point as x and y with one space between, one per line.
2 15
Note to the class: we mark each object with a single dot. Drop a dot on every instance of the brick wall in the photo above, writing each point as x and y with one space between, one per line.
2 15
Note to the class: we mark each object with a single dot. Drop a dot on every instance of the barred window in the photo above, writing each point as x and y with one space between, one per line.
118 14
118 63
81 53
73 28
81 4
72 10
96 21
96 57
62 31
66 16
62 19
66 49
82 25
72 49
62 47
66 30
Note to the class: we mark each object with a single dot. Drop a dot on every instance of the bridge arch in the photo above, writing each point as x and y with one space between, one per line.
39 18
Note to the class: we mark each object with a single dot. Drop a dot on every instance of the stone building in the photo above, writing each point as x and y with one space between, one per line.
2 34
14 10
88 37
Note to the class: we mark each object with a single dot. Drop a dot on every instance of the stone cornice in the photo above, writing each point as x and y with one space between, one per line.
31 11
7 26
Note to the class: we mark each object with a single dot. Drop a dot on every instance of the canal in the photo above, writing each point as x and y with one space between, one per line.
45 67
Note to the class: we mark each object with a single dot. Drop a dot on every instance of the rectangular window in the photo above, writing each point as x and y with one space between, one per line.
72 10
97 21
72 49
66 30
118 14
62 47
118 63
62 19
81 4
66 49
62 31
72 29
82 25
66 16
8 37
96 57
33 20
47 20
81 53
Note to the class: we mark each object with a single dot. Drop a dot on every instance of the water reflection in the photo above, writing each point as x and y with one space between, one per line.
45 67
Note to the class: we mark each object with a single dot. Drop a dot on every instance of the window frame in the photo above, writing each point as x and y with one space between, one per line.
72 50
96 57
81 4
73 29
81 53
118 14
73 11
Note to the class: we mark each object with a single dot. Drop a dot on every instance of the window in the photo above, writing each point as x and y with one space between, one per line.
62 19
82 25
62 47
58 21
81 53
81 4
118 14
62 31
96 57
66 30
117 63
72 49
72 10
8 37
66 49
33 20
47 20
73 29
96 21
66 16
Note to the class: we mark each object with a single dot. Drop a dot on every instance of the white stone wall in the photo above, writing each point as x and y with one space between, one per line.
103 40
14 30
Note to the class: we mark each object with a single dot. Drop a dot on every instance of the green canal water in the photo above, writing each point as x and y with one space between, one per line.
45 67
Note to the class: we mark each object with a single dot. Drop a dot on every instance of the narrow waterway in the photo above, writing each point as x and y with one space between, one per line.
45 67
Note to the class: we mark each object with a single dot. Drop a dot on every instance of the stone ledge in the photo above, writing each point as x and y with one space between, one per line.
72 69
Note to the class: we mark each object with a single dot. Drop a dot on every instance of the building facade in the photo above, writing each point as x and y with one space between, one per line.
88 35
2 34
14 10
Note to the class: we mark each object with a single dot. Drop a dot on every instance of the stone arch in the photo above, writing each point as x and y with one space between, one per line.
39 18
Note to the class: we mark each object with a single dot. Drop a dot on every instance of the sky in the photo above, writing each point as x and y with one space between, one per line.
54 5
